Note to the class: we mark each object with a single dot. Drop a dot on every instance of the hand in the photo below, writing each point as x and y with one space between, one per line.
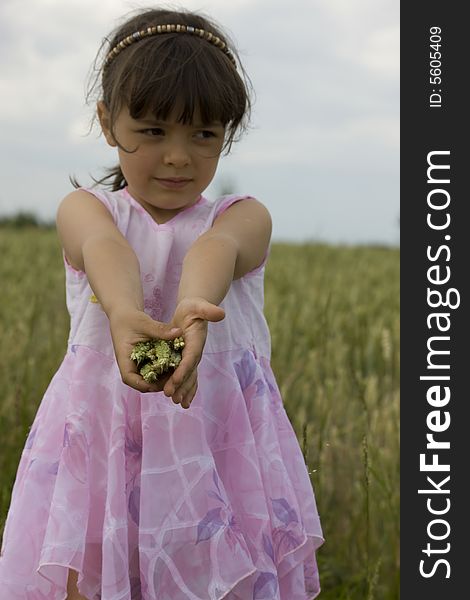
191 315
129 326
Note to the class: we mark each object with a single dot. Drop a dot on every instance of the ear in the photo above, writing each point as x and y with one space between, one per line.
105 122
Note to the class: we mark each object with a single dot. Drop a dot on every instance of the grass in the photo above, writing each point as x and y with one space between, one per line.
333 313
334 319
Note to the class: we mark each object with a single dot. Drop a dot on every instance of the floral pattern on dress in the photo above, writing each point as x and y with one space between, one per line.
253 385
133 453
153 305
289 535
219 517
285 537
265 586
246 369
53 468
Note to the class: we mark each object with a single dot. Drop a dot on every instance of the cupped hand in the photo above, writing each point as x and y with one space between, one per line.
129 326
192 316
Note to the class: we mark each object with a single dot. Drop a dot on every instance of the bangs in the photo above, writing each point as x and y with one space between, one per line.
183 74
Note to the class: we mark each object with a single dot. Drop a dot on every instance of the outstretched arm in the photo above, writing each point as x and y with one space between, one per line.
92 243
235 245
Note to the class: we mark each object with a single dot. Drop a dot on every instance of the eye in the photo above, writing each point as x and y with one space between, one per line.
205 134
152 131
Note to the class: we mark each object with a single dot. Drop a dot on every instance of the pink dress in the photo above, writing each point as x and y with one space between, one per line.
147 500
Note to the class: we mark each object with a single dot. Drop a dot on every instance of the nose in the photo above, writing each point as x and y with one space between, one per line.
176 154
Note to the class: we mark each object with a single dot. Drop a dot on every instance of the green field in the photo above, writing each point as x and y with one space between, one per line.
334 319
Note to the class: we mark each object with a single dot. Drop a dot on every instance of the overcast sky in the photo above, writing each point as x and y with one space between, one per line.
323 150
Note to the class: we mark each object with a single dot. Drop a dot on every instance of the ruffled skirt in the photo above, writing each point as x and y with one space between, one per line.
147 500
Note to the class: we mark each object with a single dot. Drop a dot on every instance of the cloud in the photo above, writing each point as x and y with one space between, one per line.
326 77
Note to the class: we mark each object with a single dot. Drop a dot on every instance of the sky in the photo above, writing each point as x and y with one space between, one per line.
322 151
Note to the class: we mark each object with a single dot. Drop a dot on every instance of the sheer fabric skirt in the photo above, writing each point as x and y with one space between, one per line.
147 500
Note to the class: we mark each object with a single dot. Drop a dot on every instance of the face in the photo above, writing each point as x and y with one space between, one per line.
173 163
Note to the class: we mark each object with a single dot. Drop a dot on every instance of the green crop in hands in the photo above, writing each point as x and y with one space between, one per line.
156 357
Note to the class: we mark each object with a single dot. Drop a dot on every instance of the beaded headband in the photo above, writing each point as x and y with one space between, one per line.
156 29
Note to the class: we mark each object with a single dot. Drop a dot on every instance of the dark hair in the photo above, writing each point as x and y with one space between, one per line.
160 72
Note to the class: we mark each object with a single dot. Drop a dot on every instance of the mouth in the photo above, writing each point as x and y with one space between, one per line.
173 179
173 182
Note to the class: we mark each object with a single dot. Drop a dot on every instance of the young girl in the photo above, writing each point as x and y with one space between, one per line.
121 493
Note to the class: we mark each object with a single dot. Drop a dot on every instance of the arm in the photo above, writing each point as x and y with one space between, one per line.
93 243
113 272
208 268
235 244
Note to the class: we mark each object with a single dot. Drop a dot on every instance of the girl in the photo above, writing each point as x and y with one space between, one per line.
121 493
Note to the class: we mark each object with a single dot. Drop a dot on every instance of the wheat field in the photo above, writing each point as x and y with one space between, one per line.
333 313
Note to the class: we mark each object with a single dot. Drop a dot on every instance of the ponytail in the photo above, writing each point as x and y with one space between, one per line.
114 179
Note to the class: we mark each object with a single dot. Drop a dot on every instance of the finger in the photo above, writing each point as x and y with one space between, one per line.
129 374
211 312
124 360
136 381
186 402
165 332
181 392
186 399
180 375
182 372
158 385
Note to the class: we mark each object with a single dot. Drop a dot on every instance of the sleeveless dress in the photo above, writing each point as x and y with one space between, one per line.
147 500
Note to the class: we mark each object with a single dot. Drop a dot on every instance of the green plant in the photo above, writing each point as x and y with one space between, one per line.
156 357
